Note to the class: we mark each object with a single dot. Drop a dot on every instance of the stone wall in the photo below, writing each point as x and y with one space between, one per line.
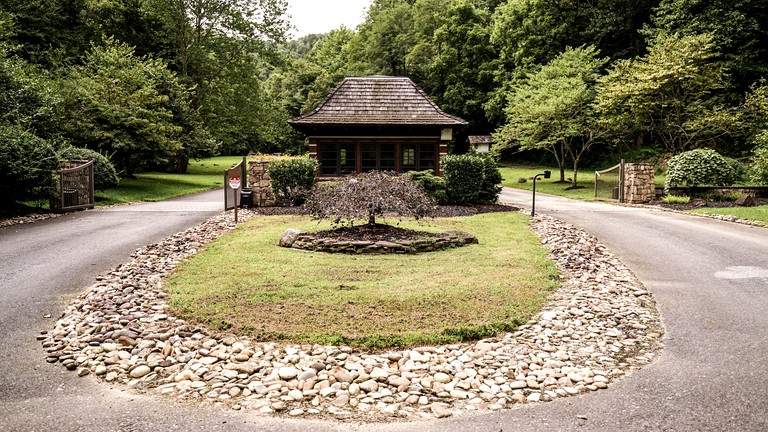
261 186
639 183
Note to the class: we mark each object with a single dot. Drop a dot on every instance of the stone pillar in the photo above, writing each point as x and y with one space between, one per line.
639 183
261 186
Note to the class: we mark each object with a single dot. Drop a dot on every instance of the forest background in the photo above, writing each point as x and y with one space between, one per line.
153 83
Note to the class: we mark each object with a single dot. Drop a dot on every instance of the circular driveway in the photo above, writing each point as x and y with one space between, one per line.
709 279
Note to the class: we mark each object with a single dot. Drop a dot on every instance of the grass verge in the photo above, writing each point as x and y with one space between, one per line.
244 283
757 213
202 175
586 181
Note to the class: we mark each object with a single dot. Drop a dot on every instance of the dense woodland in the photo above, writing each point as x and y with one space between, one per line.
152 83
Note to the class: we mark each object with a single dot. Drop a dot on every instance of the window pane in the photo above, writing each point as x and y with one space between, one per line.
347 159
408 157
328 161
427 157
387 156
368 157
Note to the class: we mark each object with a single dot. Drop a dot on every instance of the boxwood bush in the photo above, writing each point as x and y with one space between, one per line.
433 185
471 178
292 178
700 167
104 173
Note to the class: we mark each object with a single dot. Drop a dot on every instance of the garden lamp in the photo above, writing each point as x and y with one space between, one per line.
546 174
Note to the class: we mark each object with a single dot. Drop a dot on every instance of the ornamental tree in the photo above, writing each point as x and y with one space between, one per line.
368 196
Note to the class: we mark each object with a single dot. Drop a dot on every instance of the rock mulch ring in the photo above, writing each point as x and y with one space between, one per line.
600 325
380 239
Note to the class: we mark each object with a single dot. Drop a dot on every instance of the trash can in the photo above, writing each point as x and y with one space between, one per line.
615 193
70 197
245 198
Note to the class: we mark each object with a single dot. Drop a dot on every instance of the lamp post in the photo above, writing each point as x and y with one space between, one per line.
546 174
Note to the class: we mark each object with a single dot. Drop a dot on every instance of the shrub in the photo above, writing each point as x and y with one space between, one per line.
701 167
490 189
104 173
292 178
367 196
463 177
676 199
433 185
27 163
471 178
760 161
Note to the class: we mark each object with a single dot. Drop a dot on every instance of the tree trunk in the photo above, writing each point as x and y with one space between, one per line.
371 220
182 163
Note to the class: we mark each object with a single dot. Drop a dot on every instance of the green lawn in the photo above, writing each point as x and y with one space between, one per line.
586 179
202 175
245 283
758 213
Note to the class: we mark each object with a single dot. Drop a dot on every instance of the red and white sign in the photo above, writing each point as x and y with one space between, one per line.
234 182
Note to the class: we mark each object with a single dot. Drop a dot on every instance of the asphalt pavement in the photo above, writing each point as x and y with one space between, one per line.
710 279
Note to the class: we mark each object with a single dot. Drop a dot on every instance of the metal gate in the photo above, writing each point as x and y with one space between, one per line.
239 170
609 183
75 186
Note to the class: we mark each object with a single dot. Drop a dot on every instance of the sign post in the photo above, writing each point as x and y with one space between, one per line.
234 183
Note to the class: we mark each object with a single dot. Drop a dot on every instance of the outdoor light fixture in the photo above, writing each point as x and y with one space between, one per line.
546 174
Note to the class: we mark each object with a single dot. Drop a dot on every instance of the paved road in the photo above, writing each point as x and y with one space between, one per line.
710 280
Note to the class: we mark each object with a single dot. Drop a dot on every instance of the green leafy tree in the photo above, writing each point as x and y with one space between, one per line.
121 105
672 94
554 110
454 61
385 38
210 36
739 30
27 163
757 110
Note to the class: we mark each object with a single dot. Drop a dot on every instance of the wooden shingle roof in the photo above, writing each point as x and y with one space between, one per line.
377 100
480 139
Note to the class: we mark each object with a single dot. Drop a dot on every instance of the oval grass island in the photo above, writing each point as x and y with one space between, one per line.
244 283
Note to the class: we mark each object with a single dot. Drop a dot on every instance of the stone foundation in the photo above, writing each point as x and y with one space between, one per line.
261 186
639 183
311 242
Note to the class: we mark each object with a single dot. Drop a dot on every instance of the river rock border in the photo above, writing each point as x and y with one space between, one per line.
293 238
600 325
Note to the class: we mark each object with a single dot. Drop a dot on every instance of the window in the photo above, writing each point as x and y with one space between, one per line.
337 159
408 162
417 157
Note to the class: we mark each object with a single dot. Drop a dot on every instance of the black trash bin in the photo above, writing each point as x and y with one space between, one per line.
71 197
245 198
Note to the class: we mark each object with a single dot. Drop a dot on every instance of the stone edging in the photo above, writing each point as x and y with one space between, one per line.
296 239
600 325
30 218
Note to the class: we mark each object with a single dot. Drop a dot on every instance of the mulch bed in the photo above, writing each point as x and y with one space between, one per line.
378 232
